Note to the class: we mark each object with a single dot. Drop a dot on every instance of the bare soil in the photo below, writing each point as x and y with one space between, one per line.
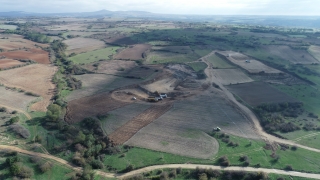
134 52
11 42
8 63
15 99
257 93
37 55
126 131
115 66
99 104
35 78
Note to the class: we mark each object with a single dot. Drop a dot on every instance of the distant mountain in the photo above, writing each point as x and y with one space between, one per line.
79 14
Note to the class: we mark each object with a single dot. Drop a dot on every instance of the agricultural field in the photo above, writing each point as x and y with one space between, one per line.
180 130
10 42
82 45
37 55
231 76
257 93
35 78
10 27
114 67
249 64
292 55
135 52
161 57
95 55
315 52
95 83
198 66
12 98
9 63
218 63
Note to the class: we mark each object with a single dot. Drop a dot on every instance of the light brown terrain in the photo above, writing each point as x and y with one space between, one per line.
10 42
35 78
134 52
80 45
115 66
8 63
37 55
231 76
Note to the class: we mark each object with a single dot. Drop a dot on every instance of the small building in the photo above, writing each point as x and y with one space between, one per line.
247 61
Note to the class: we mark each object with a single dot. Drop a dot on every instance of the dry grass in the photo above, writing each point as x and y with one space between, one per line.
14 99
115 66
35 78
231 76
80 45
14 42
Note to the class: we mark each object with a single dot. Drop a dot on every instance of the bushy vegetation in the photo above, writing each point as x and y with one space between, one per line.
272 116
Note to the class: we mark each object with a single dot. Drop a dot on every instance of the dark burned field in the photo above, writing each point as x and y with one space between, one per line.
256 93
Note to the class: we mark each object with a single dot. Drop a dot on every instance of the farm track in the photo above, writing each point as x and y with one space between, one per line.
306 136
126 131
249 114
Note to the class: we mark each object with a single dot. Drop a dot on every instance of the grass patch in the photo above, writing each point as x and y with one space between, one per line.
93 56
10 27
160 57
298 36
219 63
198 66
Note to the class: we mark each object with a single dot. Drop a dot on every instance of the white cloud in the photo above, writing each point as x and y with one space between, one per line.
289 7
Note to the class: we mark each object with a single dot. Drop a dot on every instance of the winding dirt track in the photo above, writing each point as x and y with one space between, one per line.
249 114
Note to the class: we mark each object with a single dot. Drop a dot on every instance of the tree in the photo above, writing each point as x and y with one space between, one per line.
81 137
54 112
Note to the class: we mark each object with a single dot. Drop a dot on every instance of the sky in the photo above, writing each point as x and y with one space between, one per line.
201 7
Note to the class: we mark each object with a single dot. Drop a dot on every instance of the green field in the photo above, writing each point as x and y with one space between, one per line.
198 66
300 159
56 172
93 56
160 57
219 63
10 27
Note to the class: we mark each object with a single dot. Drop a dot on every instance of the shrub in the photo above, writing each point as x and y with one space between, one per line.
224 161
164 176
294 148
173 173
243 158
44 167
20 130
3 109
288 168
14 120
203 176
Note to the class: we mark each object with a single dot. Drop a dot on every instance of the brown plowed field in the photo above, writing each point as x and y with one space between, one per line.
7 63
99 104
35 78
133 52
37 55
125 132
80 45
256 93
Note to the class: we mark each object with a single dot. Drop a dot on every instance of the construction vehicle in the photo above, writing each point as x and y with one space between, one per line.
152 99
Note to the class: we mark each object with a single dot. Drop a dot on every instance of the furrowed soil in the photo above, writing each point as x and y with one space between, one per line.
99 104
315 52
126 131
134 52
257 93
8 63
35 78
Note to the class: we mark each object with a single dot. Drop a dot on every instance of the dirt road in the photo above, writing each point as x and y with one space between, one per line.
150 168
194 166
249 114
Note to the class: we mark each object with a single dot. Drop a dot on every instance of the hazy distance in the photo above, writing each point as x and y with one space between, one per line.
201 7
